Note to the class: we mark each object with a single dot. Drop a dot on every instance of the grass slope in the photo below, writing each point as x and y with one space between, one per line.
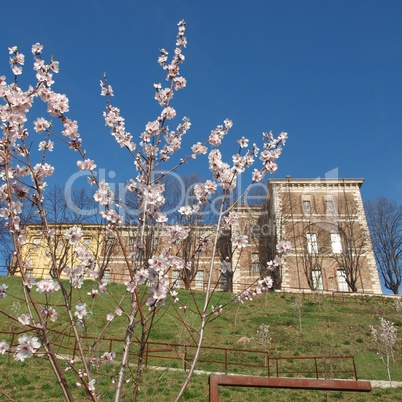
330 326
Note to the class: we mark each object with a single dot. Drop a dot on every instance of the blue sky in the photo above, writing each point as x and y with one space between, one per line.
327 72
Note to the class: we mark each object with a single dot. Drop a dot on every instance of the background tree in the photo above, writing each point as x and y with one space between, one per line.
384 218
63 209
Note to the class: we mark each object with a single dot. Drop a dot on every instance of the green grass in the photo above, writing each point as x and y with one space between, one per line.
331 327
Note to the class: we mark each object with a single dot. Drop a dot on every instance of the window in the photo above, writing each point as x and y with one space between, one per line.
307 206
176 278
131 241
86 240
106 276
255 231
342 284
329 206
199 280
36 242
312 246
316 275
336 243
255 263
29 272
110 240
223 281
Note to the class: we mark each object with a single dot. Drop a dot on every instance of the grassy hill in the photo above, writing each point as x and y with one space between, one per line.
330 325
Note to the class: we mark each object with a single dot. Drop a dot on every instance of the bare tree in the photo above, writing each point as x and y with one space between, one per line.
63 209
385 222
314 254
354 242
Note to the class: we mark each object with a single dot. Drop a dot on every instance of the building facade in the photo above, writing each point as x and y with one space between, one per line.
325 222
323 219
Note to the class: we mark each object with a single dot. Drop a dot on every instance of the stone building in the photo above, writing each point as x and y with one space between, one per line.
323 219
325 222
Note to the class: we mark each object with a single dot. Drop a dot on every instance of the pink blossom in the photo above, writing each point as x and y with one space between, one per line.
152 128
186 210
73 234
24 319
199 149
217 310
37 49
106 90
161 218
112 216
81 310
28 346
226 266
41 124
177 233
283 137
210 186
141 276
257 175
49 312
12 49
46 145
266 283
104 195
174 294
47 286
87 164
91 385
58 104
228 124
240 240
42 170
108 356
70 129
131 286
243 142
284 247
17 70
29 281
102 287
4 346
169 113
271 166
93 293
179 83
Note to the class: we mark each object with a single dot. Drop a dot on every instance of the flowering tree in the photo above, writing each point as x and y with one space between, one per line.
149 274
384 336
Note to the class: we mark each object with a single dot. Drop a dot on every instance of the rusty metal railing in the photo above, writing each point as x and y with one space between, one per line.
289 383
218 359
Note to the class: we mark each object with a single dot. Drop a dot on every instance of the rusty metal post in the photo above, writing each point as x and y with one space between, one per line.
267 360
146 356
185 359
316 368
226 361
354 368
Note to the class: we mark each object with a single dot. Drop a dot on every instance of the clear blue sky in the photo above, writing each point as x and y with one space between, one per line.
327 72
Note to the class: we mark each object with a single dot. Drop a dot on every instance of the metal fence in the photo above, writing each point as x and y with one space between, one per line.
212 359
